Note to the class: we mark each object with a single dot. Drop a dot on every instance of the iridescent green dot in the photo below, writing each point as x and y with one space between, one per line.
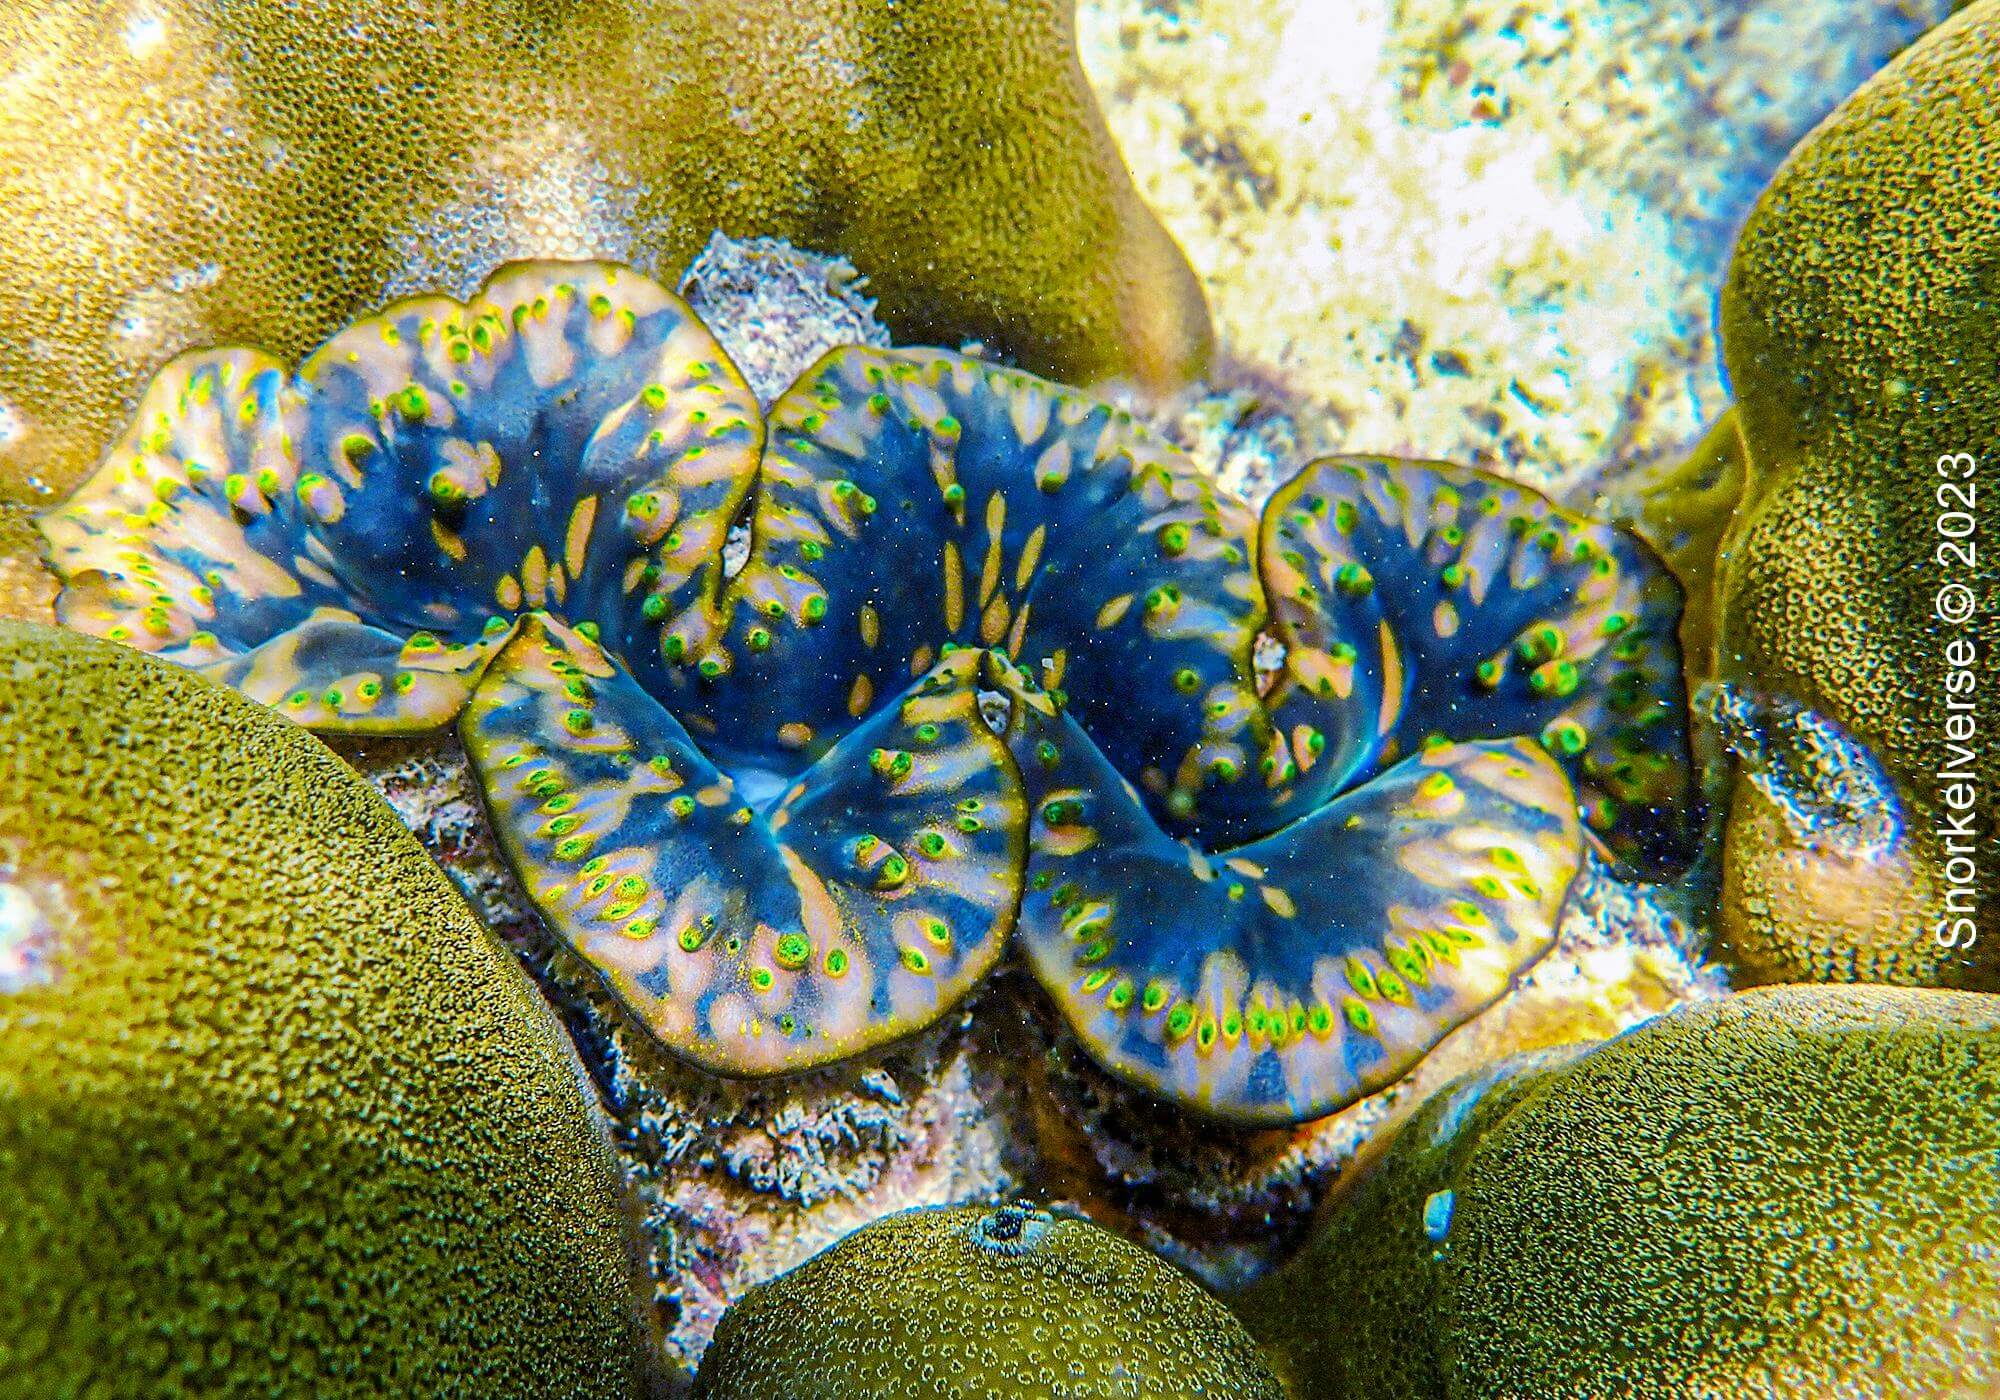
445 493
413 402
1174 539
1565 738
682 807
1353 581
811 551
794 951
1187 680
758 639
1180 1021
969 824
1047 754
579 721
1555 678
673 646
916 960
954 494
709 667
1488 673
814 607
1542 641
835 962
1453 575
1154 998
762 979
926 733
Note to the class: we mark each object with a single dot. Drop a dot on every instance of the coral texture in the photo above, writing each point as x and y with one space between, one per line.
267 1128
992 655
185 173
1857 590
956 1304
1786 1192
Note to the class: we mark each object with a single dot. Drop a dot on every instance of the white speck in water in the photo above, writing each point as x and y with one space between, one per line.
144 32
27 942
1267 657
735 550
996 708
1438 1207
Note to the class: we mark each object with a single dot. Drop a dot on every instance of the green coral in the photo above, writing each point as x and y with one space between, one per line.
1787 1192
276 1114
200 174
1859 325
953 1304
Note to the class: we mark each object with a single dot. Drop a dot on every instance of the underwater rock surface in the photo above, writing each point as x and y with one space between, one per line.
1474 229
1857 589
956 1304
718 782
1790 1191
265 1127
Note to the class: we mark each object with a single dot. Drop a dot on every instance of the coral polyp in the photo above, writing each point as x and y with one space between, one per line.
1273 803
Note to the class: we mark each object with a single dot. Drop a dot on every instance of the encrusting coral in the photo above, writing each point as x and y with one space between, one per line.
1856 593
265 1127
185 173
991 657
1785 1192
953 1304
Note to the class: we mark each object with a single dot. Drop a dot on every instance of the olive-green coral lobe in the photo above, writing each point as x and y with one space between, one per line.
1788 1192
1859 324
196 174
1011 1303
276 1115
